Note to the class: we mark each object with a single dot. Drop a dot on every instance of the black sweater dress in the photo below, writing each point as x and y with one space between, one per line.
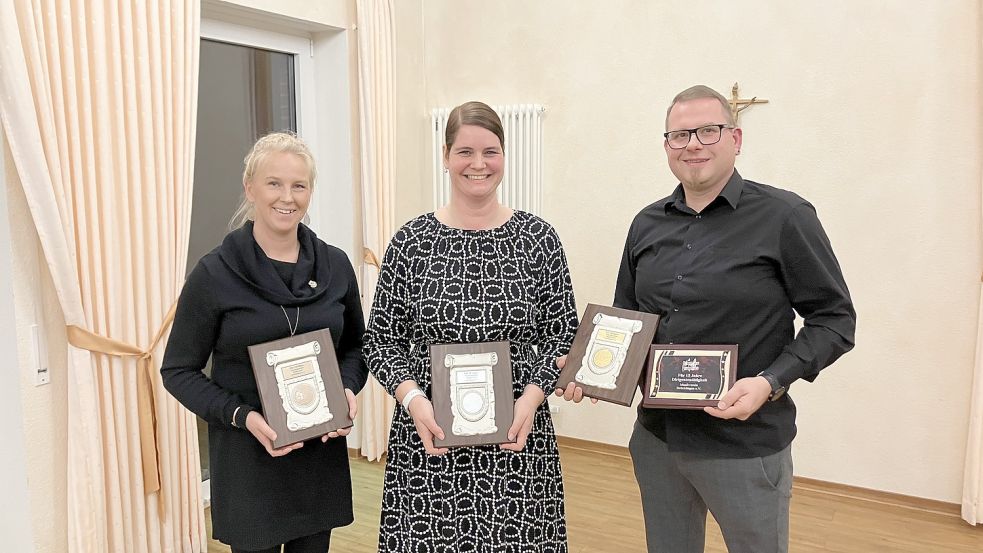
231 300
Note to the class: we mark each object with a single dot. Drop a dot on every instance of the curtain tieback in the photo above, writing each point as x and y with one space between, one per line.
368 256
84 339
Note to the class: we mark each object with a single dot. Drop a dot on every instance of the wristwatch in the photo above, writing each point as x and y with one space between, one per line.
777 390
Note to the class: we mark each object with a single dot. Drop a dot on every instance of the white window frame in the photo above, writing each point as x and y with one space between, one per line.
324 118
298 46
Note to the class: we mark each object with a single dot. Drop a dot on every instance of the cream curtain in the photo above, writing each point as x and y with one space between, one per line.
98 101
377 128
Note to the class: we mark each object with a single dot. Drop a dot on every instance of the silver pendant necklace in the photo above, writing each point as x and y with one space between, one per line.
293 328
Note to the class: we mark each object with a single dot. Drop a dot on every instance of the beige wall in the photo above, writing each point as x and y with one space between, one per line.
412 113
874 117
45 408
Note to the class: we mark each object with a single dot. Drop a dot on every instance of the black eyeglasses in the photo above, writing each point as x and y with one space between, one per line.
707 135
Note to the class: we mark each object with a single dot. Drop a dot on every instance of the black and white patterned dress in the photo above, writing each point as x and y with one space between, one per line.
444 285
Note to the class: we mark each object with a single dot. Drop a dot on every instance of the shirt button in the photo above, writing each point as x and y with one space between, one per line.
676 309
699 216
679 277
689 246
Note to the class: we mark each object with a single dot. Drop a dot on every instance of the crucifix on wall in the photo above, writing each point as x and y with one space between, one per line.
738 104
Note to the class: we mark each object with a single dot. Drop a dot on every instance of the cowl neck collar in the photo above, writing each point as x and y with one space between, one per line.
247 260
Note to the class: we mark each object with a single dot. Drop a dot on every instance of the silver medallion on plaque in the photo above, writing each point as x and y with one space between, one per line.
606 350
298 378
472 392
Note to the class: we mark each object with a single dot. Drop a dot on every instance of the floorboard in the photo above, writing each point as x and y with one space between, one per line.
606 516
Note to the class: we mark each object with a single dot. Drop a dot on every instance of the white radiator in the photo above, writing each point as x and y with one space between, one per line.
522 184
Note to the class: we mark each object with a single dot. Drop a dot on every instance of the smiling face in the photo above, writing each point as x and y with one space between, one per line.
280 191
475 161
701 168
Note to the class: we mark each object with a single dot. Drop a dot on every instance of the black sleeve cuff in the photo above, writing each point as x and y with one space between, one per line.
239 417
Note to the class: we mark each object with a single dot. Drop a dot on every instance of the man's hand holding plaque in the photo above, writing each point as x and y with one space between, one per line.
743 399
572 392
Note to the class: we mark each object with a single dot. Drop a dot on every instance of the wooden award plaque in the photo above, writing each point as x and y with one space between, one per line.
608 353
689 376
471 392
300 386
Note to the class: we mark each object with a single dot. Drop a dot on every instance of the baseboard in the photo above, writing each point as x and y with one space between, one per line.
593 447
877 496
844 491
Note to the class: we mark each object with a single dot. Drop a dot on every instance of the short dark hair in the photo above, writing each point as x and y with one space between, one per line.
702 91
478 114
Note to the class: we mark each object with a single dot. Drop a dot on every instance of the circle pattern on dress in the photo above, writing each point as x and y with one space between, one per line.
444 285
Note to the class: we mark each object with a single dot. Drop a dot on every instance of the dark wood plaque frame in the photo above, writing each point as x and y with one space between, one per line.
269 392
728 377
440 393
634 363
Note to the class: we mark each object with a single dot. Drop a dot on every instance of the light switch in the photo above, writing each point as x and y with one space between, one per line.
39 361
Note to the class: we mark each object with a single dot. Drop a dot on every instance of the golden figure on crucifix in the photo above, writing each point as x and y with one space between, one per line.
738 104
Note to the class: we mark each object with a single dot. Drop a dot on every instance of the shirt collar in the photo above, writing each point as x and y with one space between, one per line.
731 193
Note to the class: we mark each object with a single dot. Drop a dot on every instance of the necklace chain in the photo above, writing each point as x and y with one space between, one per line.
293 328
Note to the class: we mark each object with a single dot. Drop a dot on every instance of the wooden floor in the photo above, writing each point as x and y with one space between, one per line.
607 517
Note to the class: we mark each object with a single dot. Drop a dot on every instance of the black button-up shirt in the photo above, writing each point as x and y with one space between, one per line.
733 274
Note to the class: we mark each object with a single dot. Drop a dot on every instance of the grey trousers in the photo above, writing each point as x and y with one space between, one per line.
749 498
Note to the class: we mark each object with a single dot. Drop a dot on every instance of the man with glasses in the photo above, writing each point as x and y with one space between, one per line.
726 260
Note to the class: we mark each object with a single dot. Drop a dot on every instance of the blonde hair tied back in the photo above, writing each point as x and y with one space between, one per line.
275 142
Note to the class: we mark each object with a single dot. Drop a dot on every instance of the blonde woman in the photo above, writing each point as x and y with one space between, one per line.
271 277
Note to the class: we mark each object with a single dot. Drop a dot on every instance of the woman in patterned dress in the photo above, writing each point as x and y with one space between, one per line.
473 271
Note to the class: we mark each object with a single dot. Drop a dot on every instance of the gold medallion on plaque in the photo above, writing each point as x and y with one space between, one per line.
606 350
603 357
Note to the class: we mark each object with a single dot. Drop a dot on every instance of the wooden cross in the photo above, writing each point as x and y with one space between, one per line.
738 104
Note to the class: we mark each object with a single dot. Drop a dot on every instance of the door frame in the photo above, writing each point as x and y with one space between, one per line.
324 118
